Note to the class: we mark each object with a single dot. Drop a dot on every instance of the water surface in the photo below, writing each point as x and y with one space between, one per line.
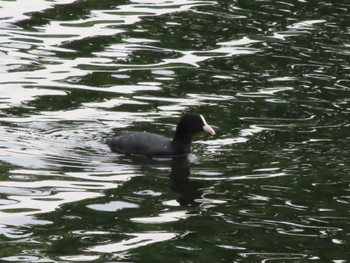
271 77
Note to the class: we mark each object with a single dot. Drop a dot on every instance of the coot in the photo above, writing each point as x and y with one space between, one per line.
151 144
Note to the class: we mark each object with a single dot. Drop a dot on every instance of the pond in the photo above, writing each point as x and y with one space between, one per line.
273 80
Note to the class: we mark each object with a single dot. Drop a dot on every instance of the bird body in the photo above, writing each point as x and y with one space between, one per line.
155 145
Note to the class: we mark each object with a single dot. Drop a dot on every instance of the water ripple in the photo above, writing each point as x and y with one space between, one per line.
136 240
272 79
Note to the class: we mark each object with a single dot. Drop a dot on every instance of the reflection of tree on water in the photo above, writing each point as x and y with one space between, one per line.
188 190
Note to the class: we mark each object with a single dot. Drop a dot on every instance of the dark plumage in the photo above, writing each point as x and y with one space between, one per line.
151 144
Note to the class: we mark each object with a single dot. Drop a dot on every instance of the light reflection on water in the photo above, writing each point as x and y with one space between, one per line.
271 78
136 240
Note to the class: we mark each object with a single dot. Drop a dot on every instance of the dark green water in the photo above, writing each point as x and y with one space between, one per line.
273 78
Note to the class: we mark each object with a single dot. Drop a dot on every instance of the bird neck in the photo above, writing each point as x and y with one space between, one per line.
182 138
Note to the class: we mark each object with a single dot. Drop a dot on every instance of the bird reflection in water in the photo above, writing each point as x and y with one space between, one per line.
189 191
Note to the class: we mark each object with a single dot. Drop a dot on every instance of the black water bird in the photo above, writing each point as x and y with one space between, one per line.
155 145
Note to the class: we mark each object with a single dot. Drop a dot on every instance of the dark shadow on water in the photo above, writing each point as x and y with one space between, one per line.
189 191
